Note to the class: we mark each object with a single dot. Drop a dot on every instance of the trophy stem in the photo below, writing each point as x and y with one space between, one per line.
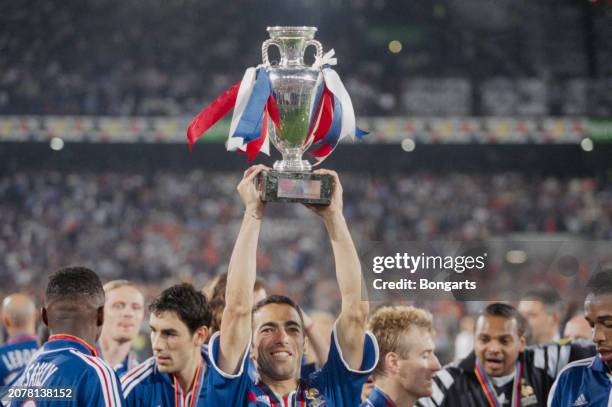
292 161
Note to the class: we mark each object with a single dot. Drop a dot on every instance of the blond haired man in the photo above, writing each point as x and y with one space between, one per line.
407 363
123 316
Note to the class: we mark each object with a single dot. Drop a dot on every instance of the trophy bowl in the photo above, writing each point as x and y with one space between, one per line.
294 86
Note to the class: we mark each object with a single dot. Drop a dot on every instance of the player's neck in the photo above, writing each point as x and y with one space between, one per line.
114 352
187 375
395 391
13 332
86 334
280 387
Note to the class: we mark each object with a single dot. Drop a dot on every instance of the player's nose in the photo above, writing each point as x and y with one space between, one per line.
435 364
156 342
281 336
598 335
494 347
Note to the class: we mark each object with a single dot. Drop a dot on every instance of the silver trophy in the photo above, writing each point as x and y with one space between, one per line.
294 87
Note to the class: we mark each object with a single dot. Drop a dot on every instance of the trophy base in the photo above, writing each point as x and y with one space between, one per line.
303 187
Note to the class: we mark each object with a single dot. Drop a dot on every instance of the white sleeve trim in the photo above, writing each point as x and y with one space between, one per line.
552 393
346 366
213 362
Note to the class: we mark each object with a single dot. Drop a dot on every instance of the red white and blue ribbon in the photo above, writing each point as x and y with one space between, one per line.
489 390
180 395
332 114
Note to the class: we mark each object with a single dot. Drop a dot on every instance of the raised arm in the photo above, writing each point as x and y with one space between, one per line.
352 321
236 321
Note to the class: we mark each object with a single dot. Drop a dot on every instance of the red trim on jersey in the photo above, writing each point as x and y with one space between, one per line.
66 337
20 338
135 371
272 398
93 360
195 389
390 403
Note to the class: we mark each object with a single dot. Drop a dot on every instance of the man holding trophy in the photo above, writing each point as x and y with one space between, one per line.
297 107
274 329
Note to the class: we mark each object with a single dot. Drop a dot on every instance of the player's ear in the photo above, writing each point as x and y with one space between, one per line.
100 316
43 313
391 361
306 345
200 335
523 343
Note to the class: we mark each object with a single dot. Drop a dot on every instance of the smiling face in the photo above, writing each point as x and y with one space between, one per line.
497 344
123 313
416 371
598 312
279 341
174 347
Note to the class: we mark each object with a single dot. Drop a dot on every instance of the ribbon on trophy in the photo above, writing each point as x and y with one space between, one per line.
332 115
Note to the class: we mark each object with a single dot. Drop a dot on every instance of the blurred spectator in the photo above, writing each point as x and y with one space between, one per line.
118 58
542 309
464 341
578 328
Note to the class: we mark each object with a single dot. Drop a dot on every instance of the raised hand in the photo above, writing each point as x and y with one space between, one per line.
248 192
327 212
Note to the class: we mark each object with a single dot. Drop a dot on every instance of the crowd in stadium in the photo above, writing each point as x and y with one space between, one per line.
115 58
136 288
169 225
231 342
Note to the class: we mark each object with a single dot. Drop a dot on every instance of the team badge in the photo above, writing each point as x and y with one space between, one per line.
314 398
528 396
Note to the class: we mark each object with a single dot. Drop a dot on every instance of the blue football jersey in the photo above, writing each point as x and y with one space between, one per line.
584 383
127 364
335 384
67 362
146 386
14 355
378 398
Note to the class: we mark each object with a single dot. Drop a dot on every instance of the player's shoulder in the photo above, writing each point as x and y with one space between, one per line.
141 375
92 366
9 347
577 367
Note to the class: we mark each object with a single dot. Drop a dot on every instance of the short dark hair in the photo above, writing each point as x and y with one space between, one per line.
187 303
548 296
600 283
499 309
279 299
74 283
217 298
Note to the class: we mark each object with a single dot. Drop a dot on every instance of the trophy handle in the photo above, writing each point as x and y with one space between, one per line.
318 46
264 50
